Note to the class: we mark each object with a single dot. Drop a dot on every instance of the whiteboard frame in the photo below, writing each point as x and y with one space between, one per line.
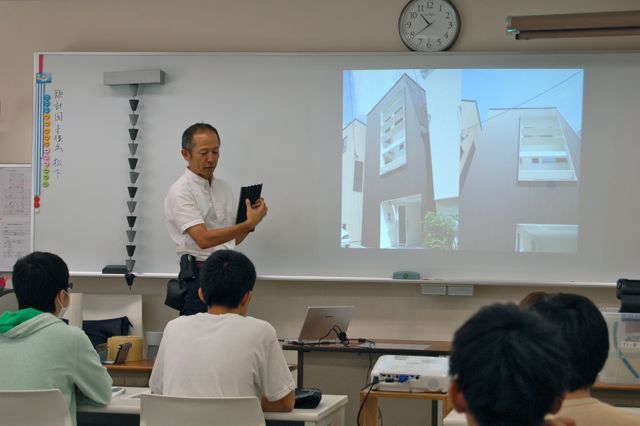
331 278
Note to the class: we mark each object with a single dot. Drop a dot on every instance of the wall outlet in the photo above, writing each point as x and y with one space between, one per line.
460 289
433 289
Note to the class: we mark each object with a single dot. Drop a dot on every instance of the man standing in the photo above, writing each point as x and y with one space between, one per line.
224 352
200 210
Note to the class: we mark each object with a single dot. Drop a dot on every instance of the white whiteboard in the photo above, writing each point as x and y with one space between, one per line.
15 213
280 122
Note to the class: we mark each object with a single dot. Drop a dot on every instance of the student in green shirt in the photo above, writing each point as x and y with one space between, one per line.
37 349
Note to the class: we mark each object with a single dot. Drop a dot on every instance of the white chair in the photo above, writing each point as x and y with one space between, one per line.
85 306
34 408
8 301
160 410
455 419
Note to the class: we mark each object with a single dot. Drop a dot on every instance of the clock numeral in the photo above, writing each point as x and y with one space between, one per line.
429 44
421 8
430 4
412 34
439 42
440 8
448 15
450 24
414 15
408 24
446 35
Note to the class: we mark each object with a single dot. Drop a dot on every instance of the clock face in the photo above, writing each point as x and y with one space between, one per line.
429 25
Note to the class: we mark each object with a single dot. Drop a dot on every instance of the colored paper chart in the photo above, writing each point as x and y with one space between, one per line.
41 135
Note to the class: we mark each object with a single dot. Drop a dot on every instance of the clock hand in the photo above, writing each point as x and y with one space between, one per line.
425 20
422 29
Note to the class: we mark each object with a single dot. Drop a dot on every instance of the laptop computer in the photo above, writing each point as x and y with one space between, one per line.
322 323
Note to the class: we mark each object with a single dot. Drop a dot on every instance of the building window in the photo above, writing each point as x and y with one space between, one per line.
393 135
546 238
358 172
401 222
345 142
544 154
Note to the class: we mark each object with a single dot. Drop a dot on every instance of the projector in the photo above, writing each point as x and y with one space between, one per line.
404 373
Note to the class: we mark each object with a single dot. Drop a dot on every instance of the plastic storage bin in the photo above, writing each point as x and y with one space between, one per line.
623 363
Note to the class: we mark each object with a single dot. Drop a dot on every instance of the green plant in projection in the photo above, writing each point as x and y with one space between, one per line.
440 231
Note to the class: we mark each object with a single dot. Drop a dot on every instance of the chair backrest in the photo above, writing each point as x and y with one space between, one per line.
34 408
8 301
160 410
86 306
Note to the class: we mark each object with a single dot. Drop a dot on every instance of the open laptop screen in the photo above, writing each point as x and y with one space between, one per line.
322 320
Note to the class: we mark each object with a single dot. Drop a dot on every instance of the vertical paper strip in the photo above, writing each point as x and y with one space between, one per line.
38 129
38 132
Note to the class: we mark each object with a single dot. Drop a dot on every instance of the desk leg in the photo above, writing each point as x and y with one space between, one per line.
369 416
434 413
300 368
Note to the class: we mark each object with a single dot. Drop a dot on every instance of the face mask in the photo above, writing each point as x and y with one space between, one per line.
63 309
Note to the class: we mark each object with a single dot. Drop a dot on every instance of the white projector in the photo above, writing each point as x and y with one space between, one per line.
404 373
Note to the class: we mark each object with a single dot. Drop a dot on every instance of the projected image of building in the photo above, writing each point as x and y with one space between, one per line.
398 182
470 129
520 185
353 153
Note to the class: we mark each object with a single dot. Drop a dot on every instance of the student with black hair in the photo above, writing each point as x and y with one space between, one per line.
223 352
584 330
37 349
507 367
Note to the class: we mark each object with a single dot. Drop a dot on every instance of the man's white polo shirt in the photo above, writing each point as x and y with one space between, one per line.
191 200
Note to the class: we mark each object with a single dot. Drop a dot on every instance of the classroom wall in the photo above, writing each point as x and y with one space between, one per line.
395 310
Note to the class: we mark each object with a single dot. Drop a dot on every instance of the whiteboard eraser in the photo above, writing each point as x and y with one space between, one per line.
406 275
114 269
114 78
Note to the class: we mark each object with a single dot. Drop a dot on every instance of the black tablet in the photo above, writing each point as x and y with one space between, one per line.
251 192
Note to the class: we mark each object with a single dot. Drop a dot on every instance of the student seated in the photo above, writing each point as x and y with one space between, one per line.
532 298
223 352
507 367
40 351
585 331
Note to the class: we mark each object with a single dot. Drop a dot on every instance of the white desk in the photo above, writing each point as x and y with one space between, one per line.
330 411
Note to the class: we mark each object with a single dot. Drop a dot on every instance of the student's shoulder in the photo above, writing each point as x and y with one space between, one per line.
180 323
261 325
54 325
622 417
73 336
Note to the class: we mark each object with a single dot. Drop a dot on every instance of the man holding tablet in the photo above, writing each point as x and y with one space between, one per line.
200 211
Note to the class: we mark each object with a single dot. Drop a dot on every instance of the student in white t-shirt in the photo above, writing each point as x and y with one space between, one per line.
223 352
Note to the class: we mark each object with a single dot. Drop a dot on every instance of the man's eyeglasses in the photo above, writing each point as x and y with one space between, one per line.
69 286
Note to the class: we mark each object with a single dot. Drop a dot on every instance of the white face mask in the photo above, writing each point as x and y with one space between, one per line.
63 308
